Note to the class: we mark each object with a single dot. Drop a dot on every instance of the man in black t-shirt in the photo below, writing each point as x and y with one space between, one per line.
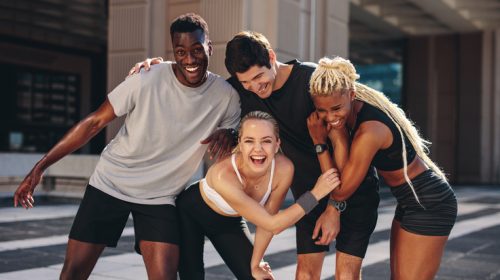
282 89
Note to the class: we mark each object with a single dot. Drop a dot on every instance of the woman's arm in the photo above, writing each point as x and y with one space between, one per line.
370 137
225 184
320 133
284 176
341 146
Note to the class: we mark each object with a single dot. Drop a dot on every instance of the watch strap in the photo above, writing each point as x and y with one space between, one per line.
339 205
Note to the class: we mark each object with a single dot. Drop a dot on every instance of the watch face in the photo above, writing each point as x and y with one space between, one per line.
341 205
319 149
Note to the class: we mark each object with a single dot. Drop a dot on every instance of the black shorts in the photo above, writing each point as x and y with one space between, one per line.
357 222
101 219
436 214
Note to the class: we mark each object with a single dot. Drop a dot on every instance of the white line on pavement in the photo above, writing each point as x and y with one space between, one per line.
285 241
20 214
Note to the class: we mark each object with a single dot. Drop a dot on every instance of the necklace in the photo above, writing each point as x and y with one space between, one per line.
248 184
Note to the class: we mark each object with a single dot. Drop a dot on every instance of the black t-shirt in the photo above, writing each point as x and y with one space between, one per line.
290 105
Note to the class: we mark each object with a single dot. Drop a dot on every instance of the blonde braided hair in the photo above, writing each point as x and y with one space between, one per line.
338 74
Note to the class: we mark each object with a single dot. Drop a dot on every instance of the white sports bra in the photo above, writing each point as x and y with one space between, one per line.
215 197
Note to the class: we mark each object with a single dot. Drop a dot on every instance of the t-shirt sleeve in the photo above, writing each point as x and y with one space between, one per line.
124 97
233 111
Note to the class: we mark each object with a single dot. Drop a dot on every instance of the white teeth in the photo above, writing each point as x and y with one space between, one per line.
192 69
258 157
262 90
335 123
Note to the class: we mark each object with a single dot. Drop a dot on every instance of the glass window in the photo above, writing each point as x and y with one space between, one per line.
387 78
39 108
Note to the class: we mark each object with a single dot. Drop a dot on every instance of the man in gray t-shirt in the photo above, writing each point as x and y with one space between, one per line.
169 113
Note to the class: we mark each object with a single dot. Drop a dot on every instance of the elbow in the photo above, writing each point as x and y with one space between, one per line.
277 230
93 124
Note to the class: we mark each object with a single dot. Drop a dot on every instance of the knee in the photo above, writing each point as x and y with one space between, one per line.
307 273
348 267
347 274
309 266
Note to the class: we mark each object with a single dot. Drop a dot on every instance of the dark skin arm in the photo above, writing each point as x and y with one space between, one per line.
220 142
74 139
370 137
329 221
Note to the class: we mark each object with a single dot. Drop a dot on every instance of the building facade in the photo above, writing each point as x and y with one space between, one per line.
59 58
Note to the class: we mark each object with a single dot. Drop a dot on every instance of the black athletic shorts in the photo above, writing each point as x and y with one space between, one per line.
437 212
357 222
101 219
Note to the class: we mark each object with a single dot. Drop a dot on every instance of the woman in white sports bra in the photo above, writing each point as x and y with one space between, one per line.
250 184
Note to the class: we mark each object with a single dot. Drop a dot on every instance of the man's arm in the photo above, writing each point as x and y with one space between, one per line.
75 138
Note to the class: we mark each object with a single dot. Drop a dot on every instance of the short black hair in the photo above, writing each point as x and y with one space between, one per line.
246 49
189 22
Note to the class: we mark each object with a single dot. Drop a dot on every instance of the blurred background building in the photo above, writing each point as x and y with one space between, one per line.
439 59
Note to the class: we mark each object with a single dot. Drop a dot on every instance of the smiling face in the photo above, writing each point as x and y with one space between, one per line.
191 52
260 79
334 109
258 144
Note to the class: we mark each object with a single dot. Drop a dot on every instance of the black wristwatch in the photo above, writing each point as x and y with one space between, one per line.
339 205
319 148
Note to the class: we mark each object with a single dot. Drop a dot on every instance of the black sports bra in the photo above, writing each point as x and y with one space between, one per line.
389 159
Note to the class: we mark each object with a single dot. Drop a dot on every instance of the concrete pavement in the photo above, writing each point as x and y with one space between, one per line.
32 244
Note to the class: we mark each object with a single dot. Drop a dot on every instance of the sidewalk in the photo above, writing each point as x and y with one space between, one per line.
32 244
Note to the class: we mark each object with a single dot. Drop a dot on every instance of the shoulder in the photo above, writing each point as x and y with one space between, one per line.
157 71
305 67
372 132
220 84
233 81
221 173
219 81
284 168
283 162
373 119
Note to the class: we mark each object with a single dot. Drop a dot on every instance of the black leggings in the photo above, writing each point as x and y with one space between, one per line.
229 235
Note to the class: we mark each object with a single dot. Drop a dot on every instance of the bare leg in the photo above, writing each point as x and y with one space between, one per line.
415 256
393 241
348 267
309 266
80 259
161 259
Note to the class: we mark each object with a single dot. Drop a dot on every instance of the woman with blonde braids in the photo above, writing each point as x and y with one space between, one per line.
366 128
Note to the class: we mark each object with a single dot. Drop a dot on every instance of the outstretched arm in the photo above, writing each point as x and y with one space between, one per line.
273 204
252 211
75 138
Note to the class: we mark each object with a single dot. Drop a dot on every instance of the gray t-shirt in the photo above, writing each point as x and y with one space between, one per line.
157 150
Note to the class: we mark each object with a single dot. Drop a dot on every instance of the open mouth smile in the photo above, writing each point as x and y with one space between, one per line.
192 69
258 159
